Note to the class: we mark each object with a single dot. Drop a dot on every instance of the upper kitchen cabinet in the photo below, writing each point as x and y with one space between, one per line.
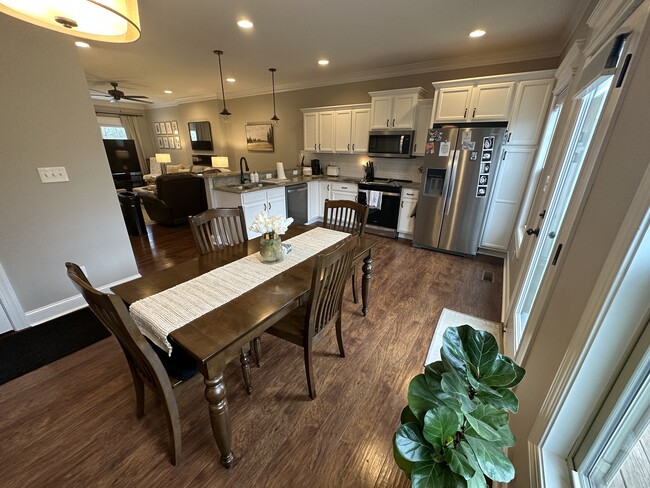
478 102
422 126
529 112
341 129
394 109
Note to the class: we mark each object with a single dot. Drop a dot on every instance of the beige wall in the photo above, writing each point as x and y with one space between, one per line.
48 120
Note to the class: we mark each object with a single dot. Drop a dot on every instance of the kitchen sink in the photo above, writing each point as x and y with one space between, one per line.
250 186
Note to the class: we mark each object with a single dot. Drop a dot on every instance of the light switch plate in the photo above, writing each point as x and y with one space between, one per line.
56 174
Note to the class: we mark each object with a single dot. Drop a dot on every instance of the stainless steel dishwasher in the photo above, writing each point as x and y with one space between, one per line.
297 202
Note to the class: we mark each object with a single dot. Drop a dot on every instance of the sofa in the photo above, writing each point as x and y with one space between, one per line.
176 196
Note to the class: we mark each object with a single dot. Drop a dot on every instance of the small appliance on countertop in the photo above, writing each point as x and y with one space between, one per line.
315 167
306 171
333 170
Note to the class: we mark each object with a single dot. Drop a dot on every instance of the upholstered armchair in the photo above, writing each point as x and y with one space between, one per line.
177 196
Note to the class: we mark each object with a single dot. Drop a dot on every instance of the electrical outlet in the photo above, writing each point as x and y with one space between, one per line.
53 175
269 175
295 172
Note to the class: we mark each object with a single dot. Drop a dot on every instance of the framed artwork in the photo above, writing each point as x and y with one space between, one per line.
165 143
259 137
174 127
171 143
160 142
156 126
178 142
163 131
168 126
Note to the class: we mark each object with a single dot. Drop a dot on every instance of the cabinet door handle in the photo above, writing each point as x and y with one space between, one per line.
410 194
532 232
509 136
415 147
265 207
465 114
401 204
314 147
319 147
504 155
387 122
269 206
344 188
474 112
393 122
353 147
348 147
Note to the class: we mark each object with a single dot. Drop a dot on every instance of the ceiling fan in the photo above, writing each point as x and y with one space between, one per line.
116 95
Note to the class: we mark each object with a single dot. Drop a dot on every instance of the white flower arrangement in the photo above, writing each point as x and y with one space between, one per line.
270 226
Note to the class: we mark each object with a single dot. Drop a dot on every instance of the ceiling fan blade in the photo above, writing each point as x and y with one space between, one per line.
136 96
98 91
136 99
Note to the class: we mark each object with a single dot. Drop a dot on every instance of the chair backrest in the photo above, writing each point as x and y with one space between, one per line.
346 216
218 227
328 282
113 314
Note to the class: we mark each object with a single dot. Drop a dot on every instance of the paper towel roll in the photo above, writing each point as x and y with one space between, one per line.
280 168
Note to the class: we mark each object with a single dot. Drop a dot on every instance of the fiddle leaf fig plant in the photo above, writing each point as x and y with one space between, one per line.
455 425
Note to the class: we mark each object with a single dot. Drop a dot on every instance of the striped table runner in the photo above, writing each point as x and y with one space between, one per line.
160 314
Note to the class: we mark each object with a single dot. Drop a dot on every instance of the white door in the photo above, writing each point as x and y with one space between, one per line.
404 107
310 127
381 110
422 126
360 128
491 101
323 194
452 104
406 221
342 131
326 131
546 248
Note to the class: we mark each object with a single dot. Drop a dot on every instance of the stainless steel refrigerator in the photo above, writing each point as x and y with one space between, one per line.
458 173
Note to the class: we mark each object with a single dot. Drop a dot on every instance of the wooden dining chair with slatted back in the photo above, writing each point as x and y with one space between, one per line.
148 367
307 324
346 216
213 230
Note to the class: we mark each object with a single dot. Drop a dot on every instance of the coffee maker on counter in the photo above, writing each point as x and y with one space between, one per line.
315 167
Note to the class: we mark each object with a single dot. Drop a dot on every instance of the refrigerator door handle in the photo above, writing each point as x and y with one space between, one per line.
452 181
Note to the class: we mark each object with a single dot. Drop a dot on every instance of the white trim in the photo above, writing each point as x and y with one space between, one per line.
67 305
9 301
566 71
605 19
505 296
541 75
635 226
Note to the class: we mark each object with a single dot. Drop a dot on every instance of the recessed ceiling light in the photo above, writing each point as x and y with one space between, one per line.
168 92
477 33
81 44
230 80
245 24
323 62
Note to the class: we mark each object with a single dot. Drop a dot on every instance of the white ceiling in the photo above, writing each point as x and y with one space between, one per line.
363 39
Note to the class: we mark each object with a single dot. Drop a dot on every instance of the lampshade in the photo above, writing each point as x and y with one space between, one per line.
163 158
219 161
98 20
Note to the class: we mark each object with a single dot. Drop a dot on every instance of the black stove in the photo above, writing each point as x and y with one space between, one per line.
389 185
382 195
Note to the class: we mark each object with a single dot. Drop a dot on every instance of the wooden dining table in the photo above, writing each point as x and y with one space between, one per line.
217 337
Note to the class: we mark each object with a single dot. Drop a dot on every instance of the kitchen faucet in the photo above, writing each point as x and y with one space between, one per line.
241 170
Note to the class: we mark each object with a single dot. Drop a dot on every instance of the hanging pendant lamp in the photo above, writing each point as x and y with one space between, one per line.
275 119
108 21
225 115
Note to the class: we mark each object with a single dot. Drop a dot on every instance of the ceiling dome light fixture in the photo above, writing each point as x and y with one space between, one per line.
81 44
168 92
230 80
477 33
274 120
245 24
107 20
225 115
323 62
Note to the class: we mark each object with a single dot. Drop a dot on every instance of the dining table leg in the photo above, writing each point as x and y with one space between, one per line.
365 283
215 393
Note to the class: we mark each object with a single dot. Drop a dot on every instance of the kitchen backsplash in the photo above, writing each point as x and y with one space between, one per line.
352 165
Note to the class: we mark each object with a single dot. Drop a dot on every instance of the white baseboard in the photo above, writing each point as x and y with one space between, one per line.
67 305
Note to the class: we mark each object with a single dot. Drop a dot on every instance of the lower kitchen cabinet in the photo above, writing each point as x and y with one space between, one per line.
344 191
406 220
313 201
271 200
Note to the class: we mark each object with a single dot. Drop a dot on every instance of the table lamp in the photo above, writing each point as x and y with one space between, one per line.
221 163
163 158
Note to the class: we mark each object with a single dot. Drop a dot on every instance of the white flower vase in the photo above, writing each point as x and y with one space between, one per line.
271 248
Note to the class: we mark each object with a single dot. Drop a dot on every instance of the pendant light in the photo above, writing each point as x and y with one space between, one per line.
225 115
107 21
274 120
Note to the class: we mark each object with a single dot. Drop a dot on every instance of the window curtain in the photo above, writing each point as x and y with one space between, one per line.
133 131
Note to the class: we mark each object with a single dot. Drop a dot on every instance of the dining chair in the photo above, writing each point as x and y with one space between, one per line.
145 364
215 229
307 324
346 216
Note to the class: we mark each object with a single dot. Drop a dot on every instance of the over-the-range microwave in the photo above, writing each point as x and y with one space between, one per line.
391 143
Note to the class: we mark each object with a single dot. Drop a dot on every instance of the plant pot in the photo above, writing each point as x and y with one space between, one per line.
271 249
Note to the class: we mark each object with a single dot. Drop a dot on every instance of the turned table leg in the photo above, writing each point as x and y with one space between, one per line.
215 393
244 358
365 283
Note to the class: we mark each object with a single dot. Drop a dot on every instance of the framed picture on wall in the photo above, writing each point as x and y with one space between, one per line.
163 131
160 142
174 127
168 126
259 137
178 142
166 143
172 144
156 126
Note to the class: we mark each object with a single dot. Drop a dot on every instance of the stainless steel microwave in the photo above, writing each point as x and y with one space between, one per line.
391 143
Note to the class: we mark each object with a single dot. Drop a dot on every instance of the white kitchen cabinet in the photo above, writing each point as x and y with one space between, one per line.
408 202
394 109
422 126
529 112
312 199
480 102
271 200
344 191
318 130
351 130
310 130
505 200
324 193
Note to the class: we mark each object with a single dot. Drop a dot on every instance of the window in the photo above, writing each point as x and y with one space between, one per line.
111 128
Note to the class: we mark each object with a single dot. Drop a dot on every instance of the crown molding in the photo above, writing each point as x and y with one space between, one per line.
605 19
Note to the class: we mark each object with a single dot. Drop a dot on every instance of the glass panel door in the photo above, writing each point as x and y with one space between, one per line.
590 109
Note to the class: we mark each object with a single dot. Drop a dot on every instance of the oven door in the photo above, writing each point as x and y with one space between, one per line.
383 210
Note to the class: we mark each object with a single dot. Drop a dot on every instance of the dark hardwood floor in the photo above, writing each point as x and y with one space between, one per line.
73 423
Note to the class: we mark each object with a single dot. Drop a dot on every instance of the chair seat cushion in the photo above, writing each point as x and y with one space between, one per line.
179 365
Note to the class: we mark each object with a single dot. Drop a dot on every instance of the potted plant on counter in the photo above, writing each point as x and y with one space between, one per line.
455 425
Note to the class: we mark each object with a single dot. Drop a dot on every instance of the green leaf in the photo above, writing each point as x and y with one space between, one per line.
491 460
433 371
435 475
506 437
481 349
459 464
404 464
453 349
519 372
478 480
411 444
456 385
486 422
499 373
440 426
421 397
407 416
501 398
